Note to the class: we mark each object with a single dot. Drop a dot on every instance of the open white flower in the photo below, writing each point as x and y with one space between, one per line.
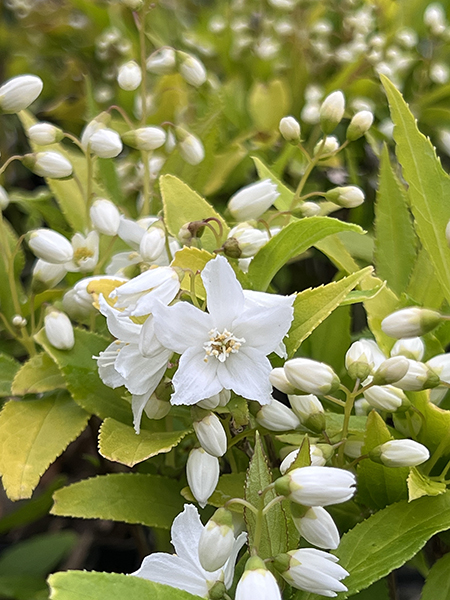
183 570
227 347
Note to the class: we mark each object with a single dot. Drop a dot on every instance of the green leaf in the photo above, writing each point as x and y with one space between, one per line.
32 435
362 295
284 200
8 370
437 584
336 326
134 498
23 587
182 205
269 102
79 370
291 241
429 185
120 443
39 374
80 585
395 242
274 538
108 176
335 422
313 306
419 485
333 247
377 309
195 260
424 287
378 485
9 239
437 423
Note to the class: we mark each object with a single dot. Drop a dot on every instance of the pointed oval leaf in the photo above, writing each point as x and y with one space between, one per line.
37 375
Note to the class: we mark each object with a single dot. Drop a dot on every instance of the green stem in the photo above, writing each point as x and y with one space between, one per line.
306 174
89 180
240 436
272 503
98 268
351 396
335 400
242 502
9 161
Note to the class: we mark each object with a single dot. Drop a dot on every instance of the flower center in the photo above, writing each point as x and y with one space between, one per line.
81 254
221 345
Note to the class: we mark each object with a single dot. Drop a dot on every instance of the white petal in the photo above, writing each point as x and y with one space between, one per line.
122 327
224 295
186 532
252 325
141 373
247 373
228 569
181 326
195 379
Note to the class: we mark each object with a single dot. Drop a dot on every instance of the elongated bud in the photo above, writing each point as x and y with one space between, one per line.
400 453
318 454
418 377
348 196
105 217
191 69
152 244
4 198
316 525
279 380
359 125
59 330
105 143
145 138
277 417
130 76
332 111
359 361
51 246
210 432
290 129
216 540
220 399
309 410
331 145
386 397
100 122
202 471
162 61
251 201
49 274
440 364
19 92
48 164
409 347
191 148
410 322
44 134
157 408
391 370
310 209
249 240
310 376
257 582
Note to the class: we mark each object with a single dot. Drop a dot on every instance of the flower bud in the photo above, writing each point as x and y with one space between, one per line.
257 582
145 138
279 380
359 361
440 364
386 397
409 347
202 471
362 407
216 541
4 198
348 196
18 321
191 69
418 377
309 410
359 125
105 143
332 111
251 201
51 246
48 164
210 433
249 239
152 244
277 417
318 454
290 129
156 408
331 145
19 92
162 61
44 134
311 376
434 18
59 330
316 525
400 453
100 122
47 273
410 322
220 399
130 76
353 448
190 147
105 217
391 370
310 209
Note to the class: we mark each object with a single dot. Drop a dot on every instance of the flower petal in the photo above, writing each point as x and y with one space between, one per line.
247 374
228 569
224 295
181 326
195 379
263 328
186 532
140 372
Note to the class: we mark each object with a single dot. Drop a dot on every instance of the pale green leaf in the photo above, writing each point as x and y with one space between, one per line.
32 435
333 247
437 584
337 326
8 370
134 498
289 243
419 485
120 443
429 185
23 587
362 295
82 585
39 374
284 200
8 244
269 102
194 260
424 287
377 308
437 423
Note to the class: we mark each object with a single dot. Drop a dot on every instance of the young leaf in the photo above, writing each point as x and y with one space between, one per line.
429 185
39 374
147 499
32 435
195 260
424 287
419 485
8 370
437 585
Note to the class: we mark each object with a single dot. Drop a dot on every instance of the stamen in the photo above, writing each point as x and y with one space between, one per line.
221 345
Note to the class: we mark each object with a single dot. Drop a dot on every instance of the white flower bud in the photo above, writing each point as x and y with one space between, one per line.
162 61
105 217
202 471
251 201
290 129
47 273
410 322
317 527
277 417
332 111
211 435
409 347
48 164
279 380
348 196
44 134
152 244
191 69
362 407
249 239
391 370
353 448
331 145
441 366
385 397
145 138
220 399
418 377
191 148
4 198
51 246
310 209
130 76
359 361
216 541
315 453
309 410
100 122
59 330
257 582
155 408
18 321
400 453
19 92
434 18
105 143
311 376
359 125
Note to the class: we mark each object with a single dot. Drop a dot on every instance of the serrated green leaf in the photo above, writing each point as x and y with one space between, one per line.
395 241
313 306
333 247
32 435
291 241
39 374
419 485
429 185
79 370
8 370
284 200
120 443
424 287
437 584
377 309
134 498
80 585
274 538
8 244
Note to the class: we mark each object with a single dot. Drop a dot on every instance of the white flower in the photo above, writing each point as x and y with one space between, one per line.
48 273
410 347
410 322
217 540
19 92
257 582
317 527
249 239
51 246
277 417
225 347
48 164
129 77
105 217
85 253
202 472
401 453
251 201
152 244
183 570
59 330
105 143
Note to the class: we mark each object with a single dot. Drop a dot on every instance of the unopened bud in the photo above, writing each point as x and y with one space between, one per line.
331 145
46 273
59 330
18 321
4 198
279 380
332 111
249 239
231 248
202 472
216 541
310 209
48 164
290 129
359 125
309 410
105 217
311 376
162 61
251 201
410 322
191 69
19 92
348 196
145 138
152 244
105 143
191 148
418 377
440 364
400 453
386 397
359 361
130 76
210 432
277 417
44 134
391 370
409 347
51 246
